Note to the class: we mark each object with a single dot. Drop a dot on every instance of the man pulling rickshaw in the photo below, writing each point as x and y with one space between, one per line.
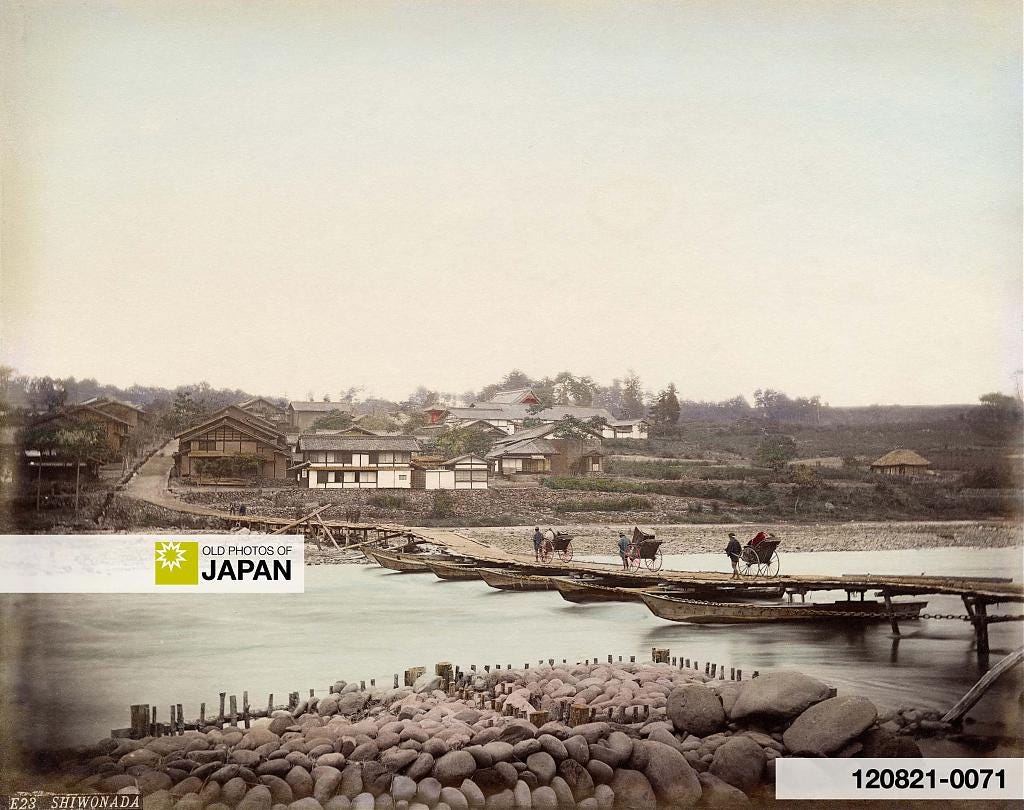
757 558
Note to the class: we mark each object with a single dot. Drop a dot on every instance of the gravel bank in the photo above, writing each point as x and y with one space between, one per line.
693 539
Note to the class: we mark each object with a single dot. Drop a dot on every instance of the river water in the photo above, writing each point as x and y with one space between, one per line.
86 658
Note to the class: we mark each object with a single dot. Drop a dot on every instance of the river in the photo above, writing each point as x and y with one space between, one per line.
85 658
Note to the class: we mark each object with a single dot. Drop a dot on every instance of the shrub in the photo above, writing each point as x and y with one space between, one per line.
386 501
443 504
628 504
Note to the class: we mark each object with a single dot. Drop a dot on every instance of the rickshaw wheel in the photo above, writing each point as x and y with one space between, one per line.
545 552
566 554
654 563
772 568
748 563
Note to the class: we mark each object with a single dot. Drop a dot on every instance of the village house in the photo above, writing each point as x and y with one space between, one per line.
266 410
232 443
463 472
351 461
53 463
901 463
541 451
132 414
515 396
302 415
625 429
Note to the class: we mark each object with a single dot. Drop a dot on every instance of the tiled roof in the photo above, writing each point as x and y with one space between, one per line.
319 441
513 396
530 447
319 407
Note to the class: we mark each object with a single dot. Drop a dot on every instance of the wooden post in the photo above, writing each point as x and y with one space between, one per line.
739 674
234 710
445 671
632 659
270 704
140 720
396 680
202 715
220 717
412 674
538 718
981 626
579 714
156 724
732 673
181 720
609 659
889 612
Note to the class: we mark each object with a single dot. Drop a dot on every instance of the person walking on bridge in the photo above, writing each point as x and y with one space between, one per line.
734 549
623 548
538 541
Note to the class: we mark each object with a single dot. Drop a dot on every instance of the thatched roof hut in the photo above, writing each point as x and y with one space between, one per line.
901 462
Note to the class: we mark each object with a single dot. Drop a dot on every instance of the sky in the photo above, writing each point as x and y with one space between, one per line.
818 197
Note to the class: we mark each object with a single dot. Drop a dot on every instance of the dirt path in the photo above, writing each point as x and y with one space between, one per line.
150 484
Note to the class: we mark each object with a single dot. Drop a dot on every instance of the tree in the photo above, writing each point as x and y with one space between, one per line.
462 440
665 412
46 394
776 449
334 420
79 442
632 398
569 427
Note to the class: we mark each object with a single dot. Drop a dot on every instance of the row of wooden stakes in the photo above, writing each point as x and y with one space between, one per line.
455 681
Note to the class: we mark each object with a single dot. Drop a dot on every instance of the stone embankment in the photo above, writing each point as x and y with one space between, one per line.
423 747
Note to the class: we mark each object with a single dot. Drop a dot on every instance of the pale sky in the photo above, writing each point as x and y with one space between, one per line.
823 198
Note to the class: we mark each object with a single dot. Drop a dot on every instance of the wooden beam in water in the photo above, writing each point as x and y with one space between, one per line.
966 703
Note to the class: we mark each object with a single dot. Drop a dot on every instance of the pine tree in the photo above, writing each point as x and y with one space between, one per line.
633 398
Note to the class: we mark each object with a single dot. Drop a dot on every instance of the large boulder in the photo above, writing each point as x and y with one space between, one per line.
453 767
720 795
632 791
427 683
674 782
695 709
542 764
781 694
828 726
739 761
881 743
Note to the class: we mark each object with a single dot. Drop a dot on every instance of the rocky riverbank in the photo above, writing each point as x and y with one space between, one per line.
698 741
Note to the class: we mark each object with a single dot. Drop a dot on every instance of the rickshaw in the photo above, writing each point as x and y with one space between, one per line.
644 548
559 543
760 559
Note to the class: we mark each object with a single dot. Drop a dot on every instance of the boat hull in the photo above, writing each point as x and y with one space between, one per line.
405 563
505 581
697 612
582 592
454 571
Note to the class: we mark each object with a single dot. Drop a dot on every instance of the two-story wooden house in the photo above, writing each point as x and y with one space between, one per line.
302 415
232 443
266 410
543 450
351 461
